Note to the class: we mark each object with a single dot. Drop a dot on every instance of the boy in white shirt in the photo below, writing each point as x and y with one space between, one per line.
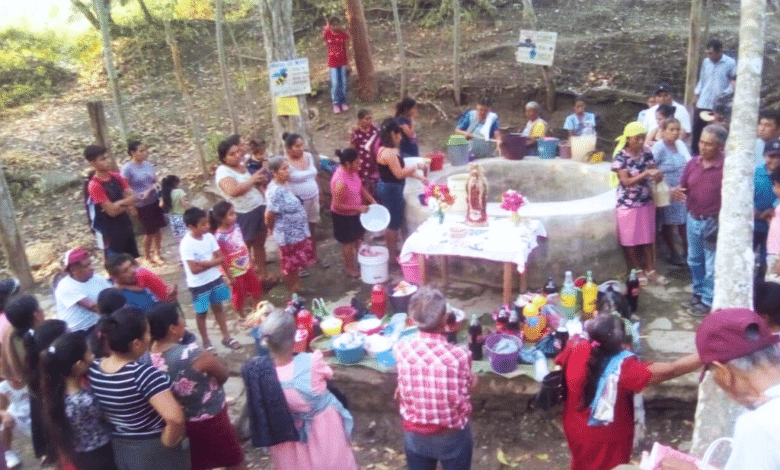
201 257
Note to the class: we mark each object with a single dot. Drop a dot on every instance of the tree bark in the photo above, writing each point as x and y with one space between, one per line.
401 53
456 50
108 59
11 238
97 118
223 72
181 81
716 413
694 51
276 20
361 48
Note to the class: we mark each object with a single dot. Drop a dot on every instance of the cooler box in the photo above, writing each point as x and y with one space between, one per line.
458 150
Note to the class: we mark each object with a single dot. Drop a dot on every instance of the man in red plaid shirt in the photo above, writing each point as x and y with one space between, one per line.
434 383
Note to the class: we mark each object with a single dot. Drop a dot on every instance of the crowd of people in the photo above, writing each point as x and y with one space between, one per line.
117 380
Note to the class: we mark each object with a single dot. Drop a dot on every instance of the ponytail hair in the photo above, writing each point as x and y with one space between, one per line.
35 342
389 127
57 363
161 317
168 184
122 328
608 335
20 312
218 213
347 155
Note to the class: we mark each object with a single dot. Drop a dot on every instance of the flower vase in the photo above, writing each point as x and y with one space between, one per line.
515 218
440 215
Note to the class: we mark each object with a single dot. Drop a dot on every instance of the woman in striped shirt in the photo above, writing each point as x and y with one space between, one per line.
147 421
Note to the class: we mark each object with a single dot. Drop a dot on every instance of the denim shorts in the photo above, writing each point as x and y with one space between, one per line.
215 292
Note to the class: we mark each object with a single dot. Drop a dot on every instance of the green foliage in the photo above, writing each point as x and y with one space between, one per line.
213 138
29 66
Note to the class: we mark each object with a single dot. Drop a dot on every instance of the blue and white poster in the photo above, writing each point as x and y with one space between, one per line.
290 77
536 47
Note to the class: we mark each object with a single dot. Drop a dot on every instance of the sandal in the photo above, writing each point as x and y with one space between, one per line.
642 277
656 278
304 273
211 349
231 343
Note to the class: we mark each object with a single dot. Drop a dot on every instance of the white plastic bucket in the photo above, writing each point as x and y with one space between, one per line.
373 269
457 186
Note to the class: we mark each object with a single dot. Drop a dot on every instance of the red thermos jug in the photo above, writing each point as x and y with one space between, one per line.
378 300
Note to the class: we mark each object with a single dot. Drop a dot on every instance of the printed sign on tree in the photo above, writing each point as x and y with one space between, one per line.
536 47
290 77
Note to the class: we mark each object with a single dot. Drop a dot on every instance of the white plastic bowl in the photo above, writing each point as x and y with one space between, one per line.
376 219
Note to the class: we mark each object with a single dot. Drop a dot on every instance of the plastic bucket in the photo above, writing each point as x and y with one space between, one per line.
582 146
548 148
400 303
513 146
410 268
457 186
564 150
437 161
373 269
458 150
502 363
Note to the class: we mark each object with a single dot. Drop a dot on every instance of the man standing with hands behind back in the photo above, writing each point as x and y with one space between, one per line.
337 41
716 80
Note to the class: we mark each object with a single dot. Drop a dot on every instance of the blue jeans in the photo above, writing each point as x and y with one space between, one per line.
338 85
452 449
701 260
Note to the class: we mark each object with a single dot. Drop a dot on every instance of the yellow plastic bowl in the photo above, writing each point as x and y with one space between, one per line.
331 326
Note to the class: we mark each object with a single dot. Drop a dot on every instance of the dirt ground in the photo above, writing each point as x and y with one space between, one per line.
41 145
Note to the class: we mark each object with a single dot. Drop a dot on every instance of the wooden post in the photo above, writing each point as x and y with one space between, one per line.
530 14
694 52
223 66
361 48
11 238
456 50
401 53
183 87
507 295
97 118
108 59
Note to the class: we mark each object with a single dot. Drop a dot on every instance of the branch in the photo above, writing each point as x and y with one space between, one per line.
147 14
435 106
84 9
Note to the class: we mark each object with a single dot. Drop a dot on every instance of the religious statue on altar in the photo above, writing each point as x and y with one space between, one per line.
476 197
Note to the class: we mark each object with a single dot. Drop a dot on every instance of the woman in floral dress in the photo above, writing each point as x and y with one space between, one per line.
365 139
197 377
286 217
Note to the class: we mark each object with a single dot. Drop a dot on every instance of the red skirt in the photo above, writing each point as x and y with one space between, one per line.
296 256
214 443
245 285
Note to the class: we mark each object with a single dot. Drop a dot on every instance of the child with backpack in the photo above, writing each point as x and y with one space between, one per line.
173 201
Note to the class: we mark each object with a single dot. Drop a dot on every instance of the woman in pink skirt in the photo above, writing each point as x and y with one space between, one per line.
636 171
324 425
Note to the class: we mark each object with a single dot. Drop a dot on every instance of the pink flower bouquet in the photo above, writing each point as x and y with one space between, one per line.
440 193
511 200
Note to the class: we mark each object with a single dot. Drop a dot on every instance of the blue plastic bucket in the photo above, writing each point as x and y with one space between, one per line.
548 147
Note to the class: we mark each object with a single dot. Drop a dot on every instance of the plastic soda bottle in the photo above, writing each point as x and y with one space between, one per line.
632 290
568 296
378 300
590 292
535 323
475 340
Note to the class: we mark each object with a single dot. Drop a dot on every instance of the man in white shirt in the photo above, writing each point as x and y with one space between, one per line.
663 95
716 80
768 130
742 354
76 294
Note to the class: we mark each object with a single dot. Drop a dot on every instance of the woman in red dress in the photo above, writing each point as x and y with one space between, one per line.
365 139
599 441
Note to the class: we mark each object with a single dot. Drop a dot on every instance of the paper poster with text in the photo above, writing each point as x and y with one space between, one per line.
536 47
290 77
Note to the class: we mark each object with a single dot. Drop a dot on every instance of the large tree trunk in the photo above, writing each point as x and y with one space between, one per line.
276 19
715 413
11 238
223 72
108 59
401 53
361 48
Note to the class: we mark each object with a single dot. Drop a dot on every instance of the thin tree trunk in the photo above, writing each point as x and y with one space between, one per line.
275 142
456 50
181 81
401 53
694 48
223 72
361 48
108 59
276 19
250 96
715 412
11 238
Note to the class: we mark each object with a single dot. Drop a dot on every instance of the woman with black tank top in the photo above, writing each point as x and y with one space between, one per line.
392 175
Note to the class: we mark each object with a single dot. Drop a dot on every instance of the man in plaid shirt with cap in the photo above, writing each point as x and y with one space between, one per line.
434 383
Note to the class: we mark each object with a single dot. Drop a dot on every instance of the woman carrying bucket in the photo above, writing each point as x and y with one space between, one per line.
480 127
347 204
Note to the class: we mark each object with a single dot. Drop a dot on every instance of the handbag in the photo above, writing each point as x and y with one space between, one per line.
318 308
661 194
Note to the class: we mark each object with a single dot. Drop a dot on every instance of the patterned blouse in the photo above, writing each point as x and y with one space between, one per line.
641 193
199 394
358 140
90 429
291 224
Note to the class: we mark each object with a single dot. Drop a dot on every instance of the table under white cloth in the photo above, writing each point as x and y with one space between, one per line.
500 240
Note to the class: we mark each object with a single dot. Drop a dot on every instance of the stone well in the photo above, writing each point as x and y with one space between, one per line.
574 201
